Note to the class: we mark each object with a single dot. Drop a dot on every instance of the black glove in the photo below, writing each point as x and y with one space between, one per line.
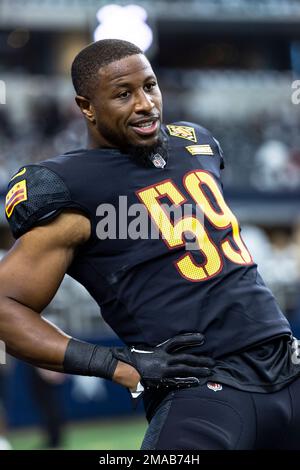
164 366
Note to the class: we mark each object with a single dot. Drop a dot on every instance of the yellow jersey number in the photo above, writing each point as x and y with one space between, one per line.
172 233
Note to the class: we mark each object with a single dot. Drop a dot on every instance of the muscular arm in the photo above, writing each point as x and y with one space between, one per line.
30 275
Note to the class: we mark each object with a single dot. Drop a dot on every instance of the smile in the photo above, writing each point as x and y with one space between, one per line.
146 128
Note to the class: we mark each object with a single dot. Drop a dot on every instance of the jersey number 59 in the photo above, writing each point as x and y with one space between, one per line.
173 233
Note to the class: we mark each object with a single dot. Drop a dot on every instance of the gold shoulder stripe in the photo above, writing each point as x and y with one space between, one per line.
17 194
19 174
184 132
204 149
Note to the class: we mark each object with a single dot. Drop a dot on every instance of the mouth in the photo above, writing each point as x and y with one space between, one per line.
146 126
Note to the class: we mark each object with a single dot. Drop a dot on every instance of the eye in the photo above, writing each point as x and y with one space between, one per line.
149 86
123 95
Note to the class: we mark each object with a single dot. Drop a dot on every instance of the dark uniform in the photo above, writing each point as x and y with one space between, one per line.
152 288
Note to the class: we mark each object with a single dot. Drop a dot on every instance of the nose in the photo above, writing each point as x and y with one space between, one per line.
143 102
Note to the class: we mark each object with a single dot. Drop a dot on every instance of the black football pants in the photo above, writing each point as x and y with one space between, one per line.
201 418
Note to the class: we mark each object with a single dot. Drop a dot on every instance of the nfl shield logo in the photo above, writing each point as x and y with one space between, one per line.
214 386
158 161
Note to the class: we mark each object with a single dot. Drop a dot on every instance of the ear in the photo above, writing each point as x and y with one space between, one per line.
86 108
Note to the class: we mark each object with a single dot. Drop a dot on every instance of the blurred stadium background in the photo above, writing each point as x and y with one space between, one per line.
229 65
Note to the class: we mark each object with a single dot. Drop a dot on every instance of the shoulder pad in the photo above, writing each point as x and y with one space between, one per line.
34 194
222 164
192 132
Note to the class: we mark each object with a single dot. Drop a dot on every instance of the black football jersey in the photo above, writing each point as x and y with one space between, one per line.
166 255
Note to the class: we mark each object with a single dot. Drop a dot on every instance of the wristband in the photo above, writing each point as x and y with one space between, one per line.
83 358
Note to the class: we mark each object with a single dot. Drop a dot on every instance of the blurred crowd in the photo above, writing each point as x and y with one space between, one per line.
277 253
47 131
262 147
262 153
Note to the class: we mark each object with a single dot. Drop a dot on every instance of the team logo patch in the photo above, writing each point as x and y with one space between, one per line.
21 172
204 149
214 386
17 194
184 132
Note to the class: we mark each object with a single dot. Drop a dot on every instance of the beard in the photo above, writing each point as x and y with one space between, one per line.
143 154
140 154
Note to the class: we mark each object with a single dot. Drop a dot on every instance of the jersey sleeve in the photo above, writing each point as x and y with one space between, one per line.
189 129
222 162
35 194
216 145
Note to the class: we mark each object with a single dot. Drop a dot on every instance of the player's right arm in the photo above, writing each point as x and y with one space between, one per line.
30 275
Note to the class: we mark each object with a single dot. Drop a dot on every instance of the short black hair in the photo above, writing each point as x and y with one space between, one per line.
89 60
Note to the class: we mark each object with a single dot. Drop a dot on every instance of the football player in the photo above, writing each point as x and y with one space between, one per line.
206 342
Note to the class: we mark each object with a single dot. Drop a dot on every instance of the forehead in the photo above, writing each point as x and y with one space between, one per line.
128 69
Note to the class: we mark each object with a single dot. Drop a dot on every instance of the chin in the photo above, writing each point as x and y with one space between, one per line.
149 142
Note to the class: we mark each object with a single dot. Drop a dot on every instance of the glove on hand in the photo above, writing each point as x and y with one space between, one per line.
165 366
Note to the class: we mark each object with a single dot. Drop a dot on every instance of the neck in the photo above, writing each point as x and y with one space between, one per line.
94 141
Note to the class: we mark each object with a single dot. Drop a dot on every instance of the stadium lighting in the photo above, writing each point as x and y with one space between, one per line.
128 23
